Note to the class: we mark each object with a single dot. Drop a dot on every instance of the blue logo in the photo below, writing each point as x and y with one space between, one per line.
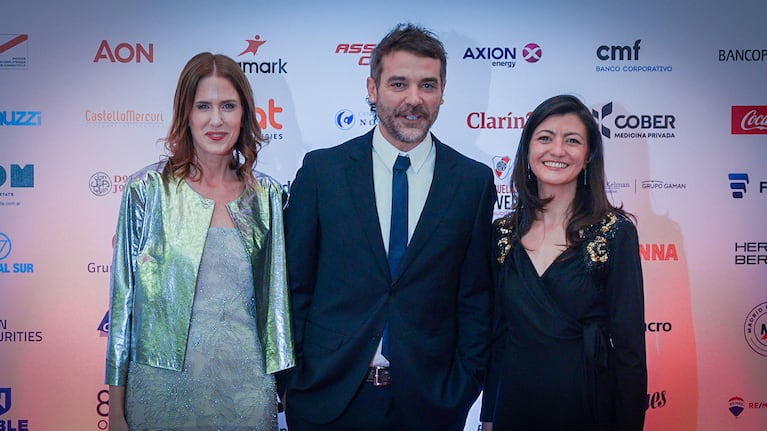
104 325
738 183
344 119
5 246
21 118
20 177
5 400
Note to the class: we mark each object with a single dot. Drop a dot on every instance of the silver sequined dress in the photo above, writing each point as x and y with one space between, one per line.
223 385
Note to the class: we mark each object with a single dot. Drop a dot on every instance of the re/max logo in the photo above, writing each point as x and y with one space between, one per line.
21 118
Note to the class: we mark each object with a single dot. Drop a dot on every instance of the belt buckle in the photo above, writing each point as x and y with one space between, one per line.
376 379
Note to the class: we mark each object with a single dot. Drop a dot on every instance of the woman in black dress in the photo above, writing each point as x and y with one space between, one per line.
569 341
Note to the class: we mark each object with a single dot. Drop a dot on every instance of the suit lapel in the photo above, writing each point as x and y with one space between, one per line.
359 177
440 198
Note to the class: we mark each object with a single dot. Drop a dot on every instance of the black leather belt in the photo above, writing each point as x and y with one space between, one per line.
379 376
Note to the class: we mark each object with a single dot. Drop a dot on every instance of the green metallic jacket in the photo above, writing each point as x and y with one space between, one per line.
161 232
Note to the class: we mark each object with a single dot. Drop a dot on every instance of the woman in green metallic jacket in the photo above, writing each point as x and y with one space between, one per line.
199 313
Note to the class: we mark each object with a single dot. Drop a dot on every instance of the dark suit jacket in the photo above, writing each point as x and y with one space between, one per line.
342 294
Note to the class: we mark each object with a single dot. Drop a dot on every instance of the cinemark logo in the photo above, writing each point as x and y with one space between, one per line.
13 42
749 120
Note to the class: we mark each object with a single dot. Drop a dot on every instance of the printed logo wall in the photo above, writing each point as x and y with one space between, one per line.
82 106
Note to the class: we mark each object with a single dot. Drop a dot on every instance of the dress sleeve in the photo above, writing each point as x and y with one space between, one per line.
627 331
127 238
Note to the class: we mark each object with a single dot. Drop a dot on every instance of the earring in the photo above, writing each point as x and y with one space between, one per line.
529 172
585 176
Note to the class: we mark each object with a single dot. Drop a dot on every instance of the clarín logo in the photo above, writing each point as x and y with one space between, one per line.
261 67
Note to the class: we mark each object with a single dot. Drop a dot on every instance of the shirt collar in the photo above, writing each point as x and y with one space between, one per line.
388 152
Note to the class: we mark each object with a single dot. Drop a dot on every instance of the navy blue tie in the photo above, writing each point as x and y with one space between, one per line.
398 232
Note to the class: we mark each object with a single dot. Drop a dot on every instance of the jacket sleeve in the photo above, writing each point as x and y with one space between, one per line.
626 308
302 232
474 314
279 343
127 237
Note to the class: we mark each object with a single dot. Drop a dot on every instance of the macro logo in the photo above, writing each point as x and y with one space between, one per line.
103 327
634 126
21 118
736 406
6 246
658 252
346 119
124 53
749 120
755 329
657 327
13 51
504 56
260 67
363 51
620 58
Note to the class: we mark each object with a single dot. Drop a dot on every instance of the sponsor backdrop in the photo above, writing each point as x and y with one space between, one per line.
86 89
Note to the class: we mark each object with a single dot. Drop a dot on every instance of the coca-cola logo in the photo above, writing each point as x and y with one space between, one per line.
749 120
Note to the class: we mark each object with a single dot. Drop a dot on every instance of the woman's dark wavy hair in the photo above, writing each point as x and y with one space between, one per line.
179 145
591 204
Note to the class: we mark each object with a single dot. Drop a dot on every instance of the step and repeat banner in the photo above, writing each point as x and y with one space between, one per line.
86 90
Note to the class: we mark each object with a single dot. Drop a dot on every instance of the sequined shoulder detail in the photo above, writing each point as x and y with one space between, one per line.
599 234
503 232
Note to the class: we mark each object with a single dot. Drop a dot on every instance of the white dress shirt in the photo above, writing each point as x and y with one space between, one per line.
419 177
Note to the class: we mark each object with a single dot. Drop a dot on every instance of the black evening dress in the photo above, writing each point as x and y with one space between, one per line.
569 344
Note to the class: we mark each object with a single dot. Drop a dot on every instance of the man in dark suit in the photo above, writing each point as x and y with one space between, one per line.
388 262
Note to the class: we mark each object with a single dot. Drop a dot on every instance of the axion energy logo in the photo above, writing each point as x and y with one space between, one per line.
749 120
